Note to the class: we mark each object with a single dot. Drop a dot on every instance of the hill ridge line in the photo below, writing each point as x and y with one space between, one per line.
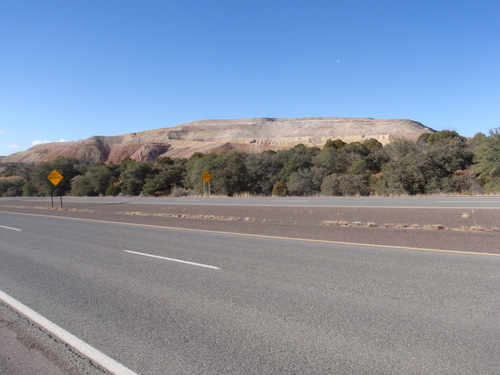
252 135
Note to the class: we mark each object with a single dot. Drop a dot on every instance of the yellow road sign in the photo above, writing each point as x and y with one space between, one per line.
206 176
55 177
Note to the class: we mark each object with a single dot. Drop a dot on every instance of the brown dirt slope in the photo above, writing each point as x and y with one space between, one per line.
252 135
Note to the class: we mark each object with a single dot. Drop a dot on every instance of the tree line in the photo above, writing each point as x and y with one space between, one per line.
443 162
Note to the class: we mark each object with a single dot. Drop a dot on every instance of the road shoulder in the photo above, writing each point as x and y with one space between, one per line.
27 349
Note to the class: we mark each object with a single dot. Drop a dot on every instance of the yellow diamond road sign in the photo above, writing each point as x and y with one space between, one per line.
206 176
55 177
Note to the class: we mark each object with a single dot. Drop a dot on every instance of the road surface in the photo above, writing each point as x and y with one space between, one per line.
180 301
459 202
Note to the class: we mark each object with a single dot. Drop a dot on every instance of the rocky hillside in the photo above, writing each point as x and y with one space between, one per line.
250 135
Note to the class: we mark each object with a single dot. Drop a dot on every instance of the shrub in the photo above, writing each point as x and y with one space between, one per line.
29 189
306 181
488 162
113 190
345 185
11 186
279 189
134 177
179 192
82 186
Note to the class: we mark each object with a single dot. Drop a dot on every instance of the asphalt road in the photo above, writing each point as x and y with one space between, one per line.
229 304
365 221
484 202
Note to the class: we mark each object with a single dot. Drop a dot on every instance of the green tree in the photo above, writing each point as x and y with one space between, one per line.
404 173
306 182
196 165
372 145
229 174
349 154
328 158
360 167
402 147
443 136
11 186
335 144
423 138
67 167
16 169
122 167
461 182
164 160
445 158
476 141
29 189
134 177
101 177
294 159
263 172
167 176
96 180
487 160
403 176
344 185
376 159
82 186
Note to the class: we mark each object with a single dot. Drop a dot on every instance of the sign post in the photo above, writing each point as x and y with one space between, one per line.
55 178
206 180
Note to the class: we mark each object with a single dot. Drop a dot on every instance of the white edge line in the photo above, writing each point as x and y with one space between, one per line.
16 229
172 259
93 354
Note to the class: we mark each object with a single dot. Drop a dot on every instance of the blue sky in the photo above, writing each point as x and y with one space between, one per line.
77 68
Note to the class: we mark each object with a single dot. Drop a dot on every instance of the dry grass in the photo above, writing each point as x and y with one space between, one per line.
186 216
372 224
343 223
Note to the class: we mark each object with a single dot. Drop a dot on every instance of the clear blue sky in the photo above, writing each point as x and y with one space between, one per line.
76 68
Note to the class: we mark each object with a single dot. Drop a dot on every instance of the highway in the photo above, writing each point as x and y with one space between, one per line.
483 202
181 301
